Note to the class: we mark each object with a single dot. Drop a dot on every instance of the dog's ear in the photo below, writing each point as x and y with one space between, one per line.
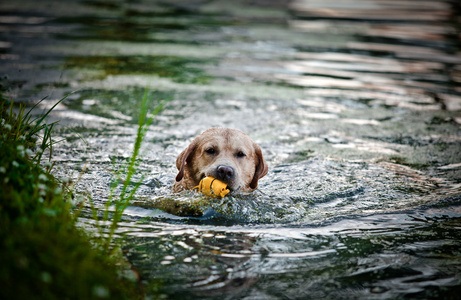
261 167
184 158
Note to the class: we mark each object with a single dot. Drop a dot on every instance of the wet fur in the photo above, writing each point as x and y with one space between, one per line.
195 163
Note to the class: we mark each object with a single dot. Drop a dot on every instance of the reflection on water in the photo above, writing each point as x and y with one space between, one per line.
356 105
380 256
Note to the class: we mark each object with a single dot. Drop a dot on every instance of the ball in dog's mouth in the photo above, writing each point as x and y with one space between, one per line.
212 187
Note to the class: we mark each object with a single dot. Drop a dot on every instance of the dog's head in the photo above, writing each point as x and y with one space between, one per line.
226 154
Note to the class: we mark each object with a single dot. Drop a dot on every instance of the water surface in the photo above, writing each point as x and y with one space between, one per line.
355 104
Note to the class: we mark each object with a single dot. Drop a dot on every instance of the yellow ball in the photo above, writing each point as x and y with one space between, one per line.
212 187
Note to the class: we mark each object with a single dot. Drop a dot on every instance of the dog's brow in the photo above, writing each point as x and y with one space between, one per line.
210 145
241 148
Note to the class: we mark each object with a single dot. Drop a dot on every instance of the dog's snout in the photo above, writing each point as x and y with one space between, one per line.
225 172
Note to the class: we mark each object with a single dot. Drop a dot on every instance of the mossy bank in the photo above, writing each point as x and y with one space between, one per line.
42 253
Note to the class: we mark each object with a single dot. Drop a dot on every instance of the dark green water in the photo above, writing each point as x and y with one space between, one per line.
356 105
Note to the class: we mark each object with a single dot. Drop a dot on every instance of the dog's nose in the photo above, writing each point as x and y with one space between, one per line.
225 172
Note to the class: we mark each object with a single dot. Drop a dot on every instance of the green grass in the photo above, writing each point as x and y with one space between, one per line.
126 195
43 255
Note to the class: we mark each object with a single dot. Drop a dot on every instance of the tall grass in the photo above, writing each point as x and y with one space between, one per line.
125 174
25 129
42 253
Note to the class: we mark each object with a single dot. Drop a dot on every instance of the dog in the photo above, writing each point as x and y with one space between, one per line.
228 155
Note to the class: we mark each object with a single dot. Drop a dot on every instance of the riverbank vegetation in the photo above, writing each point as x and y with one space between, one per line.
43 255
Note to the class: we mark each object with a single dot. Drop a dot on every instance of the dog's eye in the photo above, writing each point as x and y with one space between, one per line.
210 151
241 154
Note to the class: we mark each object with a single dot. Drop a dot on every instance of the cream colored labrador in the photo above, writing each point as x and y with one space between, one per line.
228 155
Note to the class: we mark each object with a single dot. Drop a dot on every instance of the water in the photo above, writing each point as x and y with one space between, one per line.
355 104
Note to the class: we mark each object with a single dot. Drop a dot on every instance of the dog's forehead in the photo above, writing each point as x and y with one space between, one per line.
226 138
